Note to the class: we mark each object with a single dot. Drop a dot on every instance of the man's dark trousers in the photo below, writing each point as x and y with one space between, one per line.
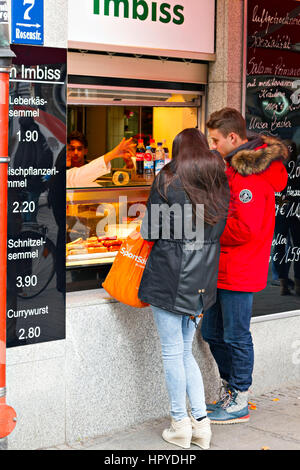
226 328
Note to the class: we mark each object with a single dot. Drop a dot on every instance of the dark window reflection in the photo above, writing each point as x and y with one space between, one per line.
283 290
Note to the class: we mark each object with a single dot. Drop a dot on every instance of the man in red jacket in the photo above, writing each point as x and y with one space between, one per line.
255 172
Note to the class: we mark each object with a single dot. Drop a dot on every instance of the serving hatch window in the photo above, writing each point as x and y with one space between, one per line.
105 116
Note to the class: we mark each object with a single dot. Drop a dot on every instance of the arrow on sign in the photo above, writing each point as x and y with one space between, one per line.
29 25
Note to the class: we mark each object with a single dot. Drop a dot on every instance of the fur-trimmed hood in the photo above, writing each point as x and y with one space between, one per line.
255 172
256 155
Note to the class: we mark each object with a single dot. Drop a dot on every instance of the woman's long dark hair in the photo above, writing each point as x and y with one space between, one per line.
201 173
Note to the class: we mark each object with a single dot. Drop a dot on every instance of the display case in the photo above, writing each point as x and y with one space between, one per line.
98 220
151 113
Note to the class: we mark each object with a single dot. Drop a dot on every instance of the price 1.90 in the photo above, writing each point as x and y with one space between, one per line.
28 136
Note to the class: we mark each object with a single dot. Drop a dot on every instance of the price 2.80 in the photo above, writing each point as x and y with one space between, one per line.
31 333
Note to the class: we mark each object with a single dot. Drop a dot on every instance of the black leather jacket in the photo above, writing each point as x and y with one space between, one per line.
180 273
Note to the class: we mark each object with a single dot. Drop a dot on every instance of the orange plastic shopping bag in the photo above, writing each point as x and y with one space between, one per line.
124 278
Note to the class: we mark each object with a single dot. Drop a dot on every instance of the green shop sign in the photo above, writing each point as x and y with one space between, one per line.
142 10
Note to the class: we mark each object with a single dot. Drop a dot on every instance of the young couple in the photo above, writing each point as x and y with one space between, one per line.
217 275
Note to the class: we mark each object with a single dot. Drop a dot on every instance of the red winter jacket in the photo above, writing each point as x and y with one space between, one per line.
255 172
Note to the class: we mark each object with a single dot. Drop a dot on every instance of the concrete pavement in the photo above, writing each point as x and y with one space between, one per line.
274 425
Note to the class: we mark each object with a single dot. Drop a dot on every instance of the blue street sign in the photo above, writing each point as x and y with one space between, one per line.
27 22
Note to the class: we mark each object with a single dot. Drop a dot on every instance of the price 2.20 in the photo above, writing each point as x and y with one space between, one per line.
23 207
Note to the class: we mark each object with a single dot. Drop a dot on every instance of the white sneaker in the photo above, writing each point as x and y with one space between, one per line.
180 433
201 432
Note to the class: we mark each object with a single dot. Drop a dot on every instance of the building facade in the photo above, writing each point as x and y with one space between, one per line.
69 386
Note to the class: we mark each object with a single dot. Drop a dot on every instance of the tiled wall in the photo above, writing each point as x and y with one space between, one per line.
115 130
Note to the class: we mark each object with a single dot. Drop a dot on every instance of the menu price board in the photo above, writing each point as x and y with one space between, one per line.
36 196
273 68
272 107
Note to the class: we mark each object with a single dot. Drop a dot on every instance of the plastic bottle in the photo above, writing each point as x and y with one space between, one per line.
149 162
140 154
167 154
153 146
159 158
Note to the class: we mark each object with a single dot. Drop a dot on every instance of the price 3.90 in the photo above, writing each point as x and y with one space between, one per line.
26 281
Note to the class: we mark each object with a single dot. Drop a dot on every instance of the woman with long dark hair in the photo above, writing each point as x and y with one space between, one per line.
186 215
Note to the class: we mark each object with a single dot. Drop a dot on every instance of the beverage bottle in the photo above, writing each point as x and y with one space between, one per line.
159 158
140 154
167 154
152 145
149 162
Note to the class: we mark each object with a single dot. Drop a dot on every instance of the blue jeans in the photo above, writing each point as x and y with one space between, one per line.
226 327
182 373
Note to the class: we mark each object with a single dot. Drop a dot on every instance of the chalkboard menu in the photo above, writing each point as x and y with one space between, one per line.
272 107
36 196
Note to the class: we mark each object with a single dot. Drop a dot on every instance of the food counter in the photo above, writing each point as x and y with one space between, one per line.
98 220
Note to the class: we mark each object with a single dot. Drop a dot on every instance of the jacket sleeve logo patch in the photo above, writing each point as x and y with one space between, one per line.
246 196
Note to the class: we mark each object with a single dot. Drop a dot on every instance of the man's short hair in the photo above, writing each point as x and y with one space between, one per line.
76 135
228 120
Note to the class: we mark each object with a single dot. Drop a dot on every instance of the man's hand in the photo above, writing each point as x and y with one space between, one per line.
125 149
125 146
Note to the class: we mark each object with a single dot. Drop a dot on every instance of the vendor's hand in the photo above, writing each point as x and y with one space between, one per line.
128 161
125 147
